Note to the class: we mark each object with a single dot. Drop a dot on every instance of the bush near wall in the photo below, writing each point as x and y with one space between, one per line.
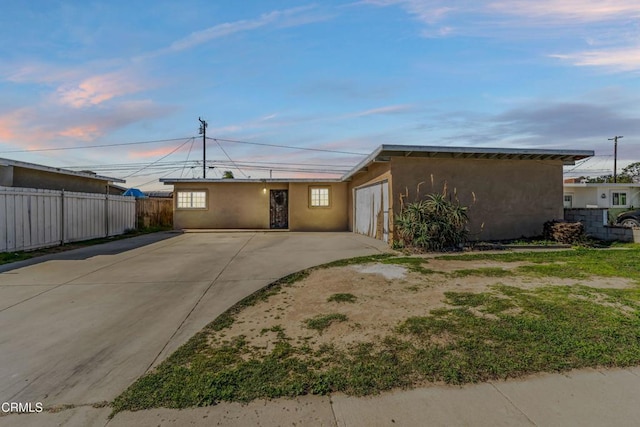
434 224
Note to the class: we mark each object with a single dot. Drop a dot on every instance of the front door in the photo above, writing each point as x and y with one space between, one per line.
279 209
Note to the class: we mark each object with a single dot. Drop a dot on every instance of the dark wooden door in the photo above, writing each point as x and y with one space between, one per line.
279 210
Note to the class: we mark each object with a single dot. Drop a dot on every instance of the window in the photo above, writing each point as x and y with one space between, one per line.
192 200
618 199
568 201
319 197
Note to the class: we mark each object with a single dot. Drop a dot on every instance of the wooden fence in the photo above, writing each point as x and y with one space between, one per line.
31 218
154 212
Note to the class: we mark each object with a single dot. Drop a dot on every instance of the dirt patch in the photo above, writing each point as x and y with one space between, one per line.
386 295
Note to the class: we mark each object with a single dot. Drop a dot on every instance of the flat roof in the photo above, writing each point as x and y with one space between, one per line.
253 180
26 165
600 184
384 153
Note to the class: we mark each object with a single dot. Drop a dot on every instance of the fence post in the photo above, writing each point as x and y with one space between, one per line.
62 213
106 211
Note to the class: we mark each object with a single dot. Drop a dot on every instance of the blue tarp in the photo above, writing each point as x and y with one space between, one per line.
135 193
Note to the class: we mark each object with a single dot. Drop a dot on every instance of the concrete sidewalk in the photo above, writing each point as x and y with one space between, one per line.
579 398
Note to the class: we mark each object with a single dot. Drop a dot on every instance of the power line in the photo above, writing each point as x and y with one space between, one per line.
129 166
33 150
290 147
226 154
163 157
164 166
157 179
187 160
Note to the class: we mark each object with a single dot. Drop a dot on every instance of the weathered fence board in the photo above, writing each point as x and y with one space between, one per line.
32 218
154 212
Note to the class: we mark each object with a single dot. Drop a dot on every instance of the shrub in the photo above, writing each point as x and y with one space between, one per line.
434 224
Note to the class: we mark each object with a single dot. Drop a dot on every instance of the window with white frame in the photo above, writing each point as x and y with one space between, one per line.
319 197
618 198
192 200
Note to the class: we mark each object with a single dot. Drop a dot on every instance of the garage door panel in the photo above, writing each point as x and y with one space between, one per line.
372 211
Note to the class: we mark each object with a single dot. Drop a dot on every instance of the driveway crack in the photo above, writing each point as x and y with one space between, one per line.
155 359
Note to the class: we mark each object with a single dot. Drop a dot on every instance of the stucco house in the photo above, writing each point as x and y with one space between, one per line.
14 173
510 193
601 195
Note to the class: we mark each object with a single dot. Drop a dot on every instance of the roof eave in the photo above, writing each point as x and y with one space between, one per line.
169 181
385 152
43 168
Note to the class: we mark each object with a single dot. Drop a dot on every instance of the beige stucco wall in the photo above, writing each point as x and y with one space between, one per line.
242 205
229 205
302 217
13 176
513 198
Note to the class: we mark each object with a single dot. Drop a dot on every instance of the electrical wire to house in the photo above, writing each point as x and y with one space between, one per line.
187 159
161 158
228 157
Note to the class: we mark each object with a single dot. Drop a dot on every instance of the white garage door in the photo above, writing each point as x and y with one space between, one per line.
372 210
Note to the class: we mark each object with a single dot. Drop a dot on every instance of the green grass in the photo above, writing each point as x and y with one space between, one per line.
485 272
500 333
323 321
576 263
342 298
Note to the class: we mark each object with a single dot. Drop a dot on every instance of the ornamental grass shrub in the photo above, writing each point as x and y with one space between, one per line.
436 223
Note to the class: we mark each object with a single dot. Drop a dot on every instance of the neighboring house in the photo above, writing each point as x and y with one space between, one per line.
601 195
43 206
116 190
14 173
159 194
510 193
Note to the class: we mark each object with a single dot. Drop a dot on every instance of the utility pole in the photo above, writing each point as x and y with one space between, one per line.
203 132
615 157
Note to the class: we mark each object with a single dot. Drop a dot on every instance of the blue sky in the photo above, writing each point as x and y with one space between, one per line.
83 82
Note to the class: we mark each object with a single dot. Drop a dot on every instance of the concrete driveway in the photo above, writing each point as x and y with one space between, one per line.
78 329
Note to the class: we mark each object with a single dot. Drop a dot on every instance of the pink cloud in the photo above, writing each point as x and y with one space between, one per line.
572 10
98 89
615 59
7 129
84 133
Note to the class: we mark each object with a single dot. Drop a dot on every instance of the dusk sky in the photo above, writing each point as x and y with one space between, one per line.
117 86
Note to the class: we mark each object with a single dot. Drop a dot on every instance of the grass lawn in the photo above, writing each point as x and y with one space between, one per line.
491 316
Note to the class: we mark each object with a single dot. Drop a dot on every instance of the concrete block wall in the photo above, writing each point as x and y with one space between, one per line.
595 221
